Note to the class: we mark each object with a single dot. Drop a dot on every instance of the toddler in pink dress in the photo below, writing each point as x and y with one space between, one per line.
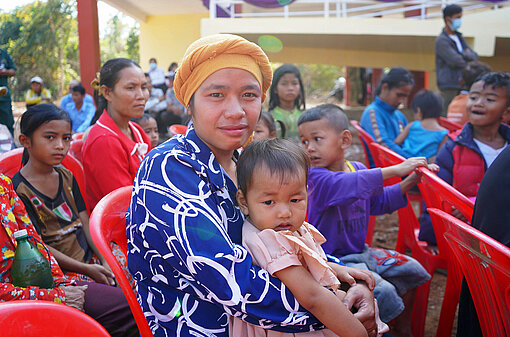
272 177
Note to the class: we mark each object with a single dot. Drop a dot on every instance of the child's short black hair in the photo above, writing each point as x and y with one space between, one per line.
143 118
395 78
451 10
281 157
429 102
472 71
79 88
268 120
333 113
497 80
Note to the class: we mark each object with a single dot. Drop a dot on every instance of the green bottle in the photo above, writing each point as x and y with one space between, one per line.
30 267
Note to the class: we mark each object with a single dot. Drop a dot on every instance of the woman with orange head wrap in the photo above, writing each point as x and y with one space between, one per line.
184 227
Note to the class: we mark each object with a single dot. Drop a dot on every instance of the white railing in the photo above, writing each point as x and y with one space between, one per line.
347 8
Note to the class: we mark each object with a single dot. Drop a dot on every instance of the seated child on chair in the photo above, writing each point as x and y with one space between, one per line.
463 161
52 197
425 136
342 196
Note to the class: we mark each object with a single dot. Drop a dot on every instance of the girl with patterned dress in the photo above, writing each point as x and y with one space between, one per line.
52 197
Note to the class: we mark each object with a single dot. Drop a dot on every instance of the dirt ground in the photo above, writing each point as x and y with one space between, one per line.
385 236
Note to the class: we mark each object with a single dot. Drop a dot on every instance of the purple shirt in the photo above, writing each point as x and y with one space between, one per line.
340 203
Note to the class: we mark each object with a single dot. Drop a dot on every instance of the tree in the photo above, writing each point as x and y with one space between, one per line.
133 44
37 36
42 39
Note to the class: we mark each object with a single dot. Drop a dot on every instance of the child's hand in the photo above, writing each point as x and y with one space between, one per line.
433 167
100 274
349 275
409 165
414 178
404 168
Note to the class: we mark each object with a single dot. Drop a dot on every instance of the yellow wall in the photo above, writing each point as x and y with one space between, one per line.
166 37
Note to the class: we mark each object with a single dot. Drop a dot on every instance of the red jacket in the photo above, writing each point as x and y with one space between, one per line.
461 164
110 158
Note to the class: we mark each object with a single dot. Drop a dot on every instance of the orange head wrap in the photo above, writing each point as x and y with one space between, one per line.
212 53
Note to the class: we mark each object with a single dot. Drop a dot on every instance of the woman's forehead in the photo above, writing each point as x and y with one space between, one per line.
229 78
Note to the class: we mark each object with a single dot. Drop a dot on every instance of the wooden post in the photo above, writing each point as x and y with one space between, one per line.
88 33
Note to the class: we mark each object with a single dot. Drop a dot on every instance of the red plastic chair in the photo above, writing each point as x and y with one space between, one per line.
448 124
408 238
439 194
75 149
178 129
485 265
364 138
78 135
10 164
108 224
44 318
443 196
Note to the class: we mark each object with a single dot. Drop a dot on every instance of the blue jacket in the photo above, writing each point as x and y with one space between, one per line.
384 123
450 62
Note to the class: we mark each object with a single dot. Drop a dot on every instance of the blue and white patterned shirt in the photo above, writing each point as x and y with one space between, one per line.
184 234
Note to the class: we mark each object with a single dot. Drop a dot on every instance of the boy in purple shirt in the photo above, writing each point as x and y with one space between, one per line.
342 196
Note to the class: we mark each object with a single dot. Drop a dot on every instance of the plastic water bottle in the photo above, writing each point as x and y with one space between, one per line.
30 267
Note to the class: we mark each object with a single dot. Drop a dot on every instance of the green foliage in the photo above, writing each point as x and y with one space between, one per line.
42 39
133 44
119 40
37 37
318 79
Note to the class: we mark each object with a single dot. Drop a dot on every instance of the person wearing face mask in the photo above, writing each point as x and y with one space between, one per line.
452 55
157 75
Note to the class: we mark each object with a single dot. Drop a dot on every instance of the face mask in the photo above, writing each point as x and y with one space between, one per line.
455 24
153 65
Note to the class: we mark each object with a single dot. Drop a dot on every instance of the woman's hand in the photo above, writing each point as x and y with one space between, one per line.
349 275
75 296
362 298
100 274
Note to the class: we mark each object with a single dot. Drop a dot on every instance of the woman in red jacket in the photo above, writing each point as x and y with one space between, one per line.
115 146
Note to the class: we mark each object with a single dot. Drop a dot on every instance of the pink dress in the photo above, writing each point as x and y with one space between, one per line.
274 251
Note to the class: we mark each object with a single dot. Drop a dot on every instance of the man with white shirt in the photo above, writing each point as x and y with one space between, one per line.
452 55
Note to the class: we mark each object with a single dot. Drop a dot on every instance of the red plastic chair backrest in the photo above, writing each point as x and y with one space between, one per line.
177 129
485 265
384 157
10 164
44 318
448 124
75 149
439 194
365 138
108 224
78 135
